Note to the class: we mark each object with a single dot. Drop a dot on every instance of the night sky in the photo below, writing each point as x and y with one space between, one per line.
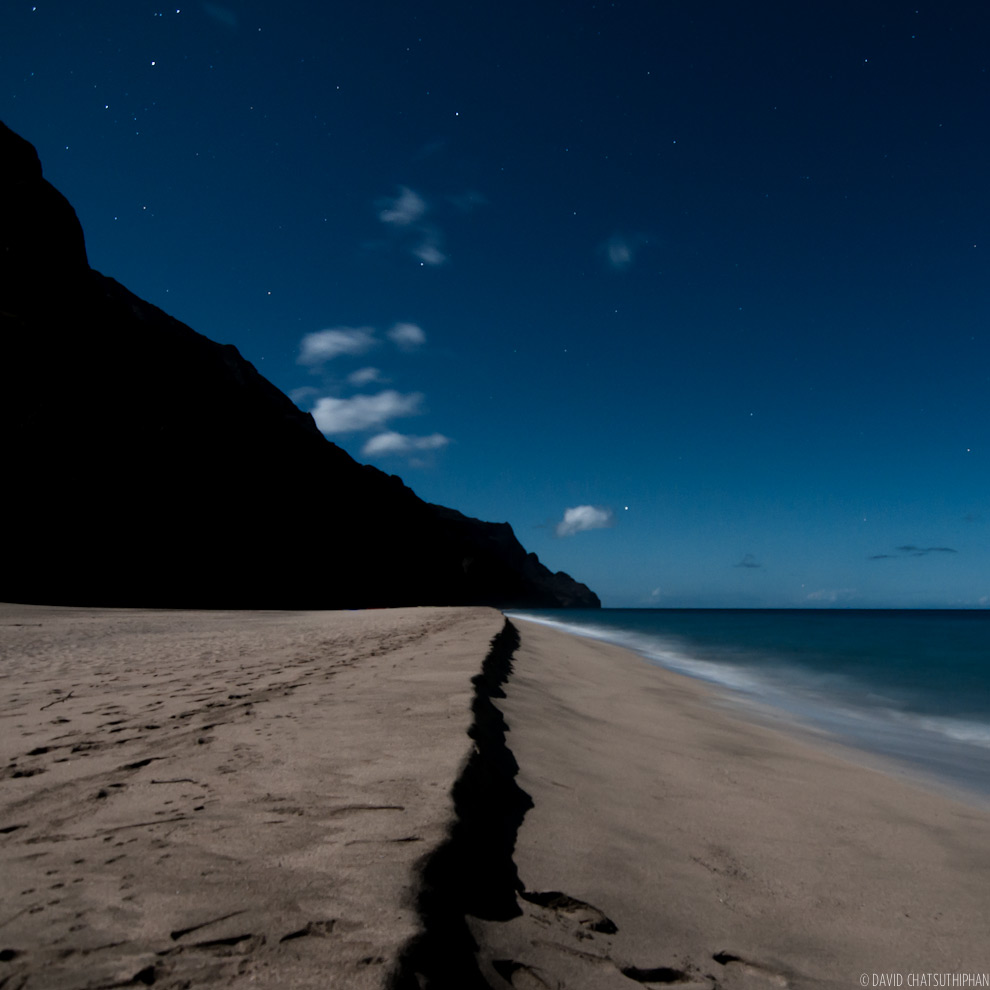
694 295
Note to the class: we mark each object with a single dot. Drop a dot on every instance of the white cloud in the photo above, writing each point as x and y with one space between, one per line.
428 251
406 336
399 443
619 253
299 395
405 209
405 212
364 412
620 250
364 376
324 345
584 517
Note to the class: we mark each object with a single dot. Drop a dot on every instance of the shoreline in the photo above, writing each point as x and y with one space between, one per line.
441 797
723 852
879 739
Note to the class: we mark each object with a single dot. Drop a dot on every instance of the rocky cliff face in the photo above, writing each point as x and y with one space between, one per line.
147 465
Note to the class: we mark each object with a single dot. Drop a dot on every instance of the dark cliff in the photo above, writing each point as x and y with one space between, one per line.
147 465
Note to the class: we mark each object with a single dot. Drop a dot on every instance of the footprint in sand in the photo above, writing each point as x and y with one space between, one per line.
584 920
571 909
319 929
658 974
755 969
520 976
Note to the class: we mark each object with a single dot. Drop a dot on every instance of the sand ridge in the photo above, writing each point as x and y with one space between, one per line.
207 799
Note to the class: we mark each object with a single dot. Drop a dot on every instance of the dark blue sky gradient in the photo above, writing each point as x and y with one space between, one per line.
725 265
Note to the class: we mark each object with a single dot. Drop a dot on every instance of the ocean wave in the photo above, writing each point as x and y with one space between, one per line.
839 704
666 652
971 733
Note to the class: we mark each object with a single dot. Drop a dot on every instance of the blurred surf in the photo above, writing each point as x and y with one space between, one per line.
912 685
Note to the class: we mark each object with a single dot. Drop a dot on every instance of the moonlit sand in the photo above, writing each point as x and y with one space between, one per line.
251 799
230 798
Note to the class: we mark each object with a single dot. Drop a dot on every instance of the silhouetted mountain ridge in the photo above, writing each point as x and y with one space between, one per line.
149 465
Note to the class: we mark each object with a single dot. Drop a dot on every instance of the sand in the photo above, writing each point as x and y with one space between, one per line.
319 799
224 799
724 853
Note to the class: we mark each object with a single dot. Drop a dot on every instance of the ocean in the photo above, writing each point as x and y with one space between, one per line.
912 686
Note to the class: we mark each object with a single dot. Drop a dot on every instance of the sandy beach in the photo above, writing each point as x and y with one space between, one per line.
224 799
422 797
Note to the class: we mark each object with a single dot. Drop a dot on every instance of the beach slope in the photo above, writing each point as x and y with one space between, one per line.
671 841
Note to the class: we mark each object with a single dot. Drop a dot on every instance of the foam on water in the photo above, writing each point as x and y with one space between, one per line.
655 649
822 686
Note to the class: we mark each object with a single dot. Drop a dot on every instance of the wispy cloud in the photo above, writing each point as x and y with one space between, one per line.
620 250
324 345
749 561
299 395
404 209
581 518
428 249
317 348
407 336
404 444
364 412
404 214
364 376
336 413
910 550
